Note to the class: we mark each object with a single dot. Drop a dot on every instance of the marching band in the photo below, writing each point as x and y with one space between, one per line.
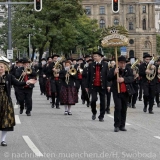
62 79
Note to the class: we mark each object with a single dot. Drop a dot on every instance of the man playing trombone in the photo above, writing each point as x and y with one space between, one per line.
25 93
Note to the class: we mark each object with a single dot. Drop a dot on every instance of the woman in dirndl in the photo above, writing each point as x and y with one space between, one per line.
7 118
68 93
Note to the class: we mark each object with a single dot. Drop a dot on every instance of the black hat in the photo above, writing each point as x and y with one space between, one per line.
87 56
105 59
48 58
25 60
55 55
122 58
20 60
80 59
99 53
146 55
43 59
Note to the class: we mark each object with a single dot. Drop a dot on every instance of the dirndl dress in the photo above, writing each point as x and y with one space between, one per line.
68 95
7 117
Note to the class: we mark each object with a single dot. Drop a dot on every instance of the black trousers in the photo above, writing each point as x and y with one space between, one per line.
120 112
42 84
93 94
108 100
140 90
148 95
25 96
133 98
56 95
78 85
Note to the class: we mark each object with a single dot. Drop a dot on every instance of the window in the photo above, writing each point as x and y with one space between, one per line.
116 22
101 10
102 23
1 18
131 53
88 10
144 9
130 26
144 24
131 41
130 9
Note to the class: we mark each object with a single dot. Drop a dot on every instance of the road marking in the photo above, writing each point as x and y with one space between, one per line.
32 146
113 118
16 106
157 137
17 119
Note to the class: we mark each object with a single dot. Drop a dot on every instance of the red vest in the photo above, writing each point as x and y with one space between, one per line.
123 88
97 80
26 79
79 76
56 78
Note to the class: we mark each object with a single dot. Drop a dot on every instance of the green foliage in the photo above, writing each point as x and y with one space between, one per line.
158 44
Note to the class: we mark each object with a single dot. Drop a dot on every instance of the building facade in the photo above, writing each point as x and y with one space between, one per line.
137 16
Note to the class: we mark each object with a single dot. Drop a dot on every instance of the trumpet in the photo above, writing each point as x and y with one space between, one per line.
72 72
28 70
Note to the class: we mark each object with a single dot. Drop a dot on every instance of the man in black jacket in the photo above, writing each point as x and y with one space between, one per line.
97 83
149 86
25 93
124 80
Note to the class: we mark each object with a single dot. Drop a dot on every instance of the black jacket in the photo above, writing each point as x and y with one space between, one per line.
33 75
91 75
142 74
127 74
11 80
72 79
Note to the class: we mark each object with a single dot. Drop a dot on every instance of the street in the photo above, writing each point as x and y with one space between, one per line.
49 134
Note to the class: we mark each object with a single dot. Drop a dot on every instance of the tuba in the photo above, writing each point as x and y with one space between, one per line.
135 68
151 76
58 66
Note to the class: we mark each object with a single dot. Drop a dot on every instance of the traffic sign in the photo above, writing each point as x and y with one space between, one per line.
10 54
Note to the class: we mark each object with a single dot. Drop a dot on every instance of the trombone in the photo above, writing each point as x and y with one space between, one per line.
28 70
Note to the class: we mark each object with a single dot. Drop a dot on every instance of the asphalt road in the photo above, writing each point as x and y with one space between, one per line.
48 134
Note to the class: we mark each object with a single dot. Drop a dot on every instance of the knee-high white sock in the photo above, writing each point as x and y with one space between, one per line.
3 138
69 108
66 107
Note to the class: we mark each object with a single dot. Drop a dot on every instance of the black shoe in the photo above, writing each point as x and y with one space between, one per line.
69 113
140 99
133 106
21 111
47 98
151 112
116 129
108 112
28 114
3 143
93 117
101 119
66 112
41 93
57 107
88 104
129 105
144 109
122 129
52 106
83 102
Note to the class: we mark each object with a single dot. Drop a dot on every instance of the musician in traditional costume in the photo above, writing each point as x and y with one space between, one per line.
25 93
7 117
97 83
42 80
147 71
125 80
68 92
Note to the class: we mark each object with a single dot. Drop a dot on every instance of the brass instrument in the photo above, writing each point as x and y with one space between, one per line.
135 68
72 72
151 76
28 70
58 66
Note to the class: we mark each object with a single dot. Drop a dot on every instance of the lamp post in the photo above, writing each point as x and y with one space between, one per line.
9 27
